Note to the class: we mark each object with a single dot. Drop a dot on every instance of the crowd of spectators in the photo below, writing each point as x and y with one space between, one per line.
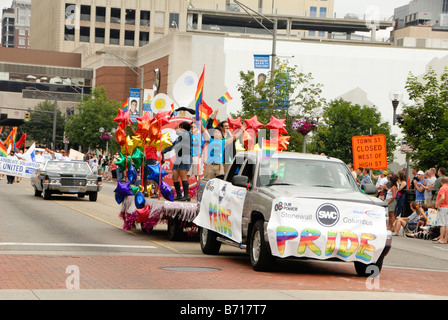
430 188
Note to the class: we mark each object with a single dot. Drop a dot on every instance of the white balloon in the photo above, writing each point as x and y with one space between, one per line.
161 103
184 89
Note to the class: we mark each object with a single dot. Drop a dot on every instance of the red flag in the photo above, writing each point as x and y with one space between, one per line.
21 141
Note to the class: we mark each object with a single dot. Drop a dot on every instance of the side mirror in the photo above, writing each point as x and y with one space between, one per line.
240 181
369 189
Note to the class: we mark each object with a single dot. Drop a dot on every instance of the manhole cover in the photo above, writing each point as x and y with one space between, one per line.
190 269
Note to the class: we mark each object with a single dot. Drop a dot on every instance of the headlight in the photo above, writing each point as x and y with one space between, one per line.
55 181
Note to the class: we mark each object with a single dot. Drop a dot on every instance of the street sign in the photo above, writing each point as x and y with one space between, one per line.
369 152
16 114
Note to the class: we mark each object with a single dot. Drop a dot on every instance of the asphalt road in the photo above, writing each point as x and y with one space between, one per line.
67 230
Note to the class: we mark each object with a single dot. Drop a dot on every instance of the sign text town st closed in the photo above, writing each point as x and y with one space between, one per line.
369 152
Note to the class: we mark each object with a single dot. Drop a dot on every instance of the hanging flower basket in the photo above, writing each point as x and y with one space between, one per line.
304 126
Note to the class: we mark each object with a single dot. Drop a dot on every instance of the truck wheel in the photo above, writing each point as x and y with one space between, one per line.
46 194
209 244
93 196
37 193
175 231
260 254
367 270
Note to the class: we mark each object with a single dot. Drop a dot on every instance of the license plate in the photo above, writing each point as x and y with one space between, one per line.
73 190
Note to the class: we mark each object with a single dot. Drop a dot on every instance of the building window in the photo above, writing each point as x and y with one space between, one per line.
99 35
312 33
313 12
160 20
445 6
70 16
174 20
144 38
145 18
129 37
323 13
85 13
84 34
22 41
115 15
130 16
69 34
114 36
421 43
322 34
100 14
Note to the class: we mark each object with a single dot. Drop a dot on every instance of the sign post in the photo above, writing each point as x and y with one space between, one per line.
369 152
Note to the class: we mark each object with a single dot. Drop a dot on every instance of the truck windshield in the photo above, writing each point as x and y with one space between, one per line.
306 173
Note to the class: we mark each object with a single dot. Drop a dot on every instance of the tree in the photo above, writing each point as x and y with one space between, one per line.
273 95
94 112
425 123
40 128
341 121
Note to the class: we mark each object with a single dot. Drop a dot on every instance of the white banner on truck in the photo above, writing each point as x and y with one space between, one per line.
222 209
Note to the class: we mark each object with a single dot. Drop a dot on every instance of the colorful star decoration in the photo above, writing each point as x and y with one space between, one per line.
277 124
253 123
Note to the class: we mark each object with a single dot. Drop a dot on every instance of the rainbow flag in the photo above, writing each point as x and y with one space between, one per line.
125 105
225 98
204 115
203 111
3 151
199 103
269 148
11 139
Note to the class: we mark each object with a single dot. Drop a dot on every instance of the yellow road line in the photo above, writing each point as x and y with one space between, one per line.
109 223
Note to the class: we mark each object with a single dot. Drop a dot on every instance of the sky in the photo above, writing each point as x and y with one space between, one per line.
360 7
385 8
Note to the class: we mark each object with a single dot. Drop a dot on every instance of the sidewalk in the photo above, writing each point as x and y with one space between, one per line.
202 278
206 295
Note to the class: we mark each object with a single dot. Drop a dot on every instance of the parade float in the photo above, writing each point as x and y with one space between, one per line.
158 130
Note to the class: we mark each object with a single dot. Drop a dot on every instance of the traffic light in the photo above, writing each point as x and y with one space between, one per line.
27 116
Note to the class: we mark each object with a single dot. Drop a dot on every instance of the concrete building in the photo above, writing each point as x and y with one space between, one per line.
28 77
77 24
8 27
16 25
98 23
422 24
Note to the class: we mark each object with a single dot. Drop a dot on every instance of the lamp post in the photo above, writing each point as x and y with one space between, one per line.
395 96
137 70
106 136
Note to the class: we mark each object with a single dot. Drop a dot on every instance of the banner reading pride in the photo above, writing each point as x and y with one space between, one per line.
323 229
18 168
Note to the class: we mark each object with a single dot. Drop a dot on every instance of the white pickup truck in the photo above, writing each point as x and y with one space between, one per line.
293 205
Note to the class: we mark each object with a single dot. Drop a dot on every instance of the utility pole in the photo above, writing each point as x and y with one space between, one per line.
273 32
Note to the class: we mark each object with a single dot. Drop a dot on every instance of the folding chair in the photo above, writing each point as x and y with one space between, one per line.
410 227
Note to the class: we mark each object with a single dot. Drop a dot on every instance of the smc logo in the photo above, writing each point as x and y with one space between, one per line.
327 215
